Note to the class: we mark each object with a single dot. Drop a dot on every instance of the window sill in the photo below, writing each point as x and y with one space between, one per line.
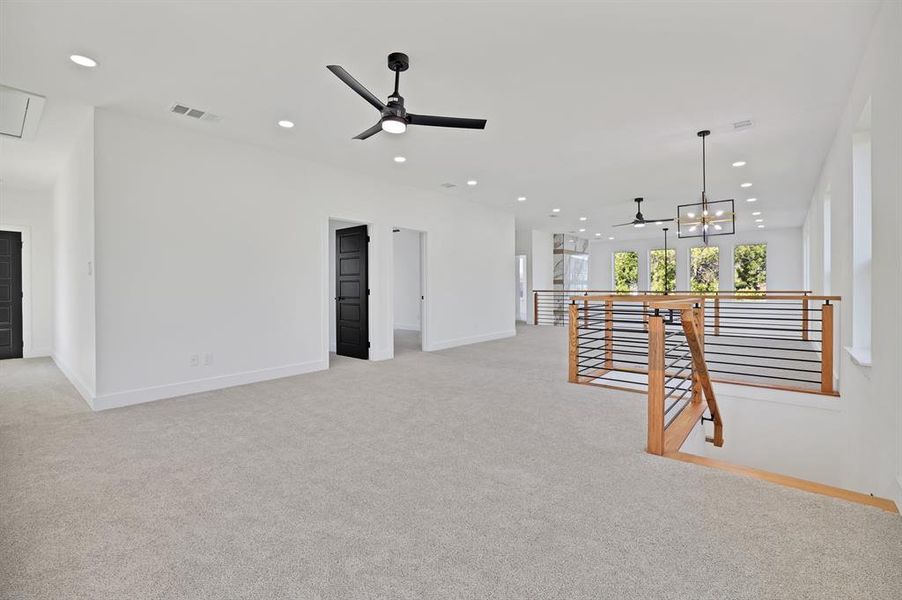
860 356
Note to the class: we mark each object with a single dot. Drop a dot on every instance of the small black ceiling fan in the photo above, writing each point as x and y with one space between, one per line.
395 118
641 221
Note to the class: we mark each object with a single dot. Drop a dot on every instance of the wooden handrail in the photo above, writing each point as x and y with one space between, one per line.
664 438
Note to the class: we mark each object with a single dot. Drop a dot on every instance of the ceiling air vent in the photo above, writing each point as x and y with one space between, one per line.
740 125
20 112
194 113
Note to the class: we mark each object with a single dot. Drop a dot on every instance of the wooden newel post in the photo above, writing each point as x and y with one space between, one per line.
698 316
805 319
716 316
827 348
535 308
608 334
573 322
656 385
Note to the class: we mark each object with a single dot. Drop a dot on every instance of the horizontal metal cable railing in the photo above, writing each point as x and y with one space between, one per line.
550 306
650 345
765 339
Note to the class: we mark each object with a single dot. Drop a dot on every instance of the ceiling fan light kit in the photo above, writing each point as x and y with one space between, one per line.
394 117
705 219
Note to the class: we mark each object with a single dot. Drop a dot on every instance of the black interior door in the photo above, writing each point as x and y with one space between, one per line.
352 335
10 294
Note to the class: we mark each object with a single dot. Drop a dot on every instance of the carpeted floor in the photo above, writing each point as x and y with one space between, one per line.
475 472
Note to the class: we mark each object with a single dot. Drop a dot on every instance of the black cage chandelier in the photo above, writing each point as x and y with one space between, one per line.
705 219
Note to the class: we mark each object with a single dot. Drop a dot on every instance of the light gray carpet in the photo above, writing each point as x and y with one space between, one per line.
475 472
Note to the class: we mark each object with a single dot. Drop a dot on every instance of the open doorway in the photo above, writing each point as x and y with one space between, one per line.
349 268
520 278
408 250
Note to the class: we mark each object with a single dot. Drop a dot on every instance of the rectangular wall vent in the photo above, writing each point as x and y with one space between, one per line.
194 113
740 125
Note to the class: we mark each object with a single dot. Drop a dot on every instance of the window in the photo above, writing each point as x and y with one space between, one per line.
704 269
662 274
750 262
861 238
626 271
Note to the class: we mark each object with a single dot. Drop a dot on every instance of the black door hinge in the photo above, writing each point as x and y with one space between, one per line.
367 291
367 239
367 344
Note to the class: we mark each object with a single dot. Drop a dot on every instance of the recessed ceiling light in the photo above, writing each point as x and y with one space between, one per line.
400 159
690 215
286 124
583 218
659 222
84 61
718 227
756 213
610 237
597 234
472 182
571 241
739 163
521 199
555 210
759 220
745 185
582 229
760 226
751 199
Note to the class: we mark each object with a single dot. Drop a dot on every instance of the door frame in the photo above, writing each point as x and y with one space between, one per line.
424 288
328 282
25 231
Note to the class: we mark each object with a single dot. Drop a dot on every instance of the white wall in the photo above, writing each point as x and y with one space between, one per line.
872 401
74 339
407 279
31 212
784 258
538 247
205 245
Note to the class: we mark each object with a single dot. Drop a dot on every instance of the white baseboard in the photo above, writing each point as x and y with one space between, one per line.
38 352
475 339
86 393
172 390
403 327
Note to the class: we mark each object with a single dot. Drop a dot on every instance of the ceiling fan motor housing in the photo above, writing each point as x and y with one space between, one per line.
398 61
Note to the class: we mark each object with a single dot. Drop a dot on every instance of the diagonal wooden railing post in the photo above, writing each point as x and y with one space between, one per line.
656 385
573 355
694 338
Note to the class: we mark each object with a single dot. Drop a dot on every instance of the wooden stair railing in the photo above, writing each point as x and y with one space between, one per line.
667 435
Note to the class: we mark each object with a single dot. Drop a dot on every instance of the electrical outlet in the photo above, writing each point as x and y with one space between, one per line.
208 358
194 360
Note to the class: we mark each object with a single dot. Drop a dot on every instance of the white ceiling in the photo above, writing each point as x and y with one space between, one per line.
588 104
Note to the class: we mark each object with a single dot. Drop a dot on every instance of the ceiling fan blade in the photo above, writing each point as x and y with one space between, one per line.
432 121
657 220
369 132
631 223
357 86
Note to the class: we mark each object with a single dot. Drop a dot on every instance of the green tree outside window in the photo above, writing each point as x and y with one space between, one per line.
750 262
659 269
704 269
626 271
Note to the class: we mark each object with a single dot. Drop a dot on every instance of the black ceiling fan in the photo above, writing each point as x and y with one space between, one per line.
641 221
395 118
